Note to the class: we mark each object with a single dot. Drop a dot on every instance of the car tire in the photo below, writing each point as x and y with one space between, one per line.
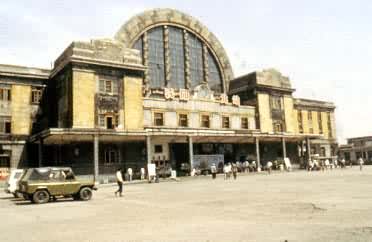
41 196
85 193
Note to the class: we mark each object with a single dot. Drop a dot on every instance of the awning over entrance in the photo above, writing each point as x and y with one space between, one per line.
63 136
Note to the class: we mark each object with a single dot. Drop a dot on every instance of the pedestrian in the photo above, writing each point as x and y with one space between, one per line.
225 171
130 173
119 180
213 171
343 163
235 171
351 163
269 166
361 162
142 173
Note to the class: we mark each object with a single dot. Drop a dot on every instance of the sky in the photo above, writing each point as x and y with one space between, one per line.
323 46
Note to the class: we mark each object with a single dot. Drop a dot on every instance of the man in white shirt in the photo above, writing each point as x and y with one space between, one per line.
119 180
269 166
142 173
130 173
361 162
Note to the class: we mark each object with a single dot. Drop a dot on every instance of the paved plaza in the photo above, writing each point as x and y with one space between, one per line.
298 206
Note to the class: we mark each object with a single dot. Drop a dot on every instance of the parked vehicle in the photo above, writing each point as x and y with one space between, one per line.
39 185
11 185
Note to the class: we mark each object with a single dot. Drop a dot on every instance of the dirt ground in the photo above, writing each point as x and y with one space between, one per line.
327 206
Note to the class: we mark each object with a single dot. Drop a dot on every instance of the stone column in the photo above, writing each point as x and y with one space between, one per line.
258 154
284 148
148 148
41 144
191 152
96 156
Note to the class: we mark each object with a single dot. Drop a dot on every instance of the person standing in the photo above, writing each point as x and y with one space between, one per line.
361 162
213 171
234 171
142 173
119 180
269 166
130 173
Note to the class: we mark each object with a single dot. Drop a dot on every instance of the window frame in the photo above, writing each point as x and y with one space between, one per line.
241 123
36 95
202 121
8 96
155 118
180 120
223 119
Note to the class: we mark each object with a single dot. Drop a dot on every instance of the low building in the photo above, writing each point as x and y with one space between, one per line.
358 147
161 91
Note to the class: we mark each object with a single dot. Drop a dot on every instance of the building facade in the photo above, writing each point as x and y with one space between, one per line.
358 147
161 91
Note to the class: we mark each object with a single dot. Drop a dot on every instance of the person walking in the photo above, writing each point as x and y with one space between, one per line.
361 162
235 171
119 180
213 171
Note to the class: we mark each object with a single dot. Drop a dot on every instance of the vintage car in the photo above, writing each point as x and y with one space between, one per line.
39 185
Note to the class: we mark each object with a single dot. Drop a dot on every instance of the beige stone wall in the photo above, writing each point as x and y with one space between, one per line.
325 126
21 109
333 124
83 91
264 112
305 123
290 123
315 122
133 103
295 121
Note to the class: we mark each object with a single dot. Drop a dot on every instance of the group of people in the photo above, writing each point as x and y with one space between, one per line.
326 164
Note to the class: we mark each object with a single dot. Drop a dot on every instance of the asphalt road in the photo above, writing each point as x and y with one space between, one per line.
334 205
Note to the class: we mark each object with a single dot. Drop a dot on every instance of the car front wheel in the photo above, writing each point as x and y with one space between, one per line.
85 193
41 196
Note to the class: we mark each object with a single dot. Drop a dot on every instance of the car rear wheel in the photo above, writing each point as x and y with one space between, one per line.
85 193
41 196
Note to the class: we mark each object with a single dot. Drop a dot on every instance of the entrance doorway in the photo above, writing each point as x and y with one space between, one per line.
109 122
179 157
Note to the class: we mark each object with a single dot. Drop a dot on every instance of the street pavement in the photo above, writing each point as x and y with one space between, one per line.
335 205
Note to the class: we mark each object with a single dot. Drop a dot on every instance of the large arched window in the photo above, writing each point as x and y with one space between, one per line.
172 52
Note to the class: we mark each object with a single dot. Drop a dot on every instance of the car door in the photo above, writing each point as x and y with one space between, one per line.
71 185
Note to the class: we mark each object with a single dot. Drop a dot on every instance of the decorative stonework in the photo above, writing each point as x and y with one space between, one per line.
137 25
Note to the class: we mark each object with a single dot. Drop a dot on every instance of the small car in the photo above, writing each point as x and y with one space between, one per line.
11 185
39 185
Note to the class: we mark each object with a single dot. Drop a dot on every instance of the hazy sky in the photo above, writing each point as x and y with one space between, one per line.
325 47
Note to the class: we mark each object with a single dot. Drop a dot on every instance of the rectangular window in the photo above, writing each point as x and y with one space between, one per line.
5 94
108 86
205 121
101 120
276 102
278 127
36 93
244 123
320 123
182 120
158 119
111 155
158 149
225 122
5 125
299 120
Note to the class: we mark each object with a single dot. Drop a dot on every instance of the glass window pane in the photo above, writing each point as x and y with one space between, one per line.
196 60
214 76
177 58
156 57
